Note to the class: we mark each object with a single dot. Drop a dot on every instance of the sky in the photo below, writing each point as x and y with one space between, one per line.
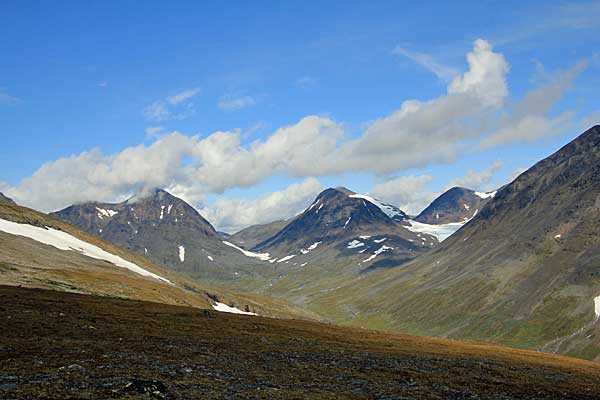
248 110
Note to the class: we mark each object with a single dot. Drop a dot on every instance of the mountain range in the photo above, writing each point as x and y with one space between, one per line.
517 266
39 251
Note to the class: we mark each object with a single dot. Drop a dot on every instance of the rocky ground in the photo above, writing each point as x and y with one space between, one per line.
67 346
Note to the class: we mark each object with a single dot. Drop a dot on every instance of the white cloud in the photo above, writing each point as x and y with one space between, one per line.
420 133
6 99
405 192
443 72
232 215
192 166
153 132
183 96
102 84
477 180
528 120
176 107
307 82
232 103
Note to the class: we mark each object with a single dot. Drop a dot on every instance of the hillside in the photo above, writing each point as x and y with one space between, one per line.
40 251
112 348
4 199
522 272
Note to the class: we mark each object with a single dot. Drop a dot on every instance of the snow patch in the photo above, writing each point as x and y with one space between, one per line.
210 258
228 309
557 236
286 258
162 211
441 232
364 237
354 244
347 221
597 306
169 209
377 252
467 207
260 256
106 213
314 245
182 253
485 195
388 209
380 240
64 241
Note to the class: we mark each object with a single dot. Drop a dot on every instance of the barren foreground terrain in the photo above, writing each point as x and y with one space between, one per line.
62 345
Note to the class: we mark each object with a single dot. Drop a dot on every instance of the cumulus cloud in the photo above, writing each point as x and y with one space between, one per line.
177 106
418 134
406 192
477 180
232 103
422 133
200 165
528 120
232 215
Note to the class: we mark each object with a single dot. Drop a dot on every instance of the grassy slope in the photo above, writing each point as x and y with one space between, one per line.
67 345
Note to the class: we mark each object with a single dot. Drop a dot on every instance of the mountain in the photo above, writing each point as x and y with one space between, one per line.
341 237
525 271
170 232
455 205
40 251
255 234
356 226
4 199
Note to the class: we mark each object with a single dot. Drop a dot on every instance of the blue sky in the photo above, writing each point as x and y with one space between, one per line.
113 76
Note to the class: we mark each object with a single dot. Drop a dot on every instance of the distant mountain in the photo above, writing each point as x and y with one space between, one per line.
170 232
524 271
255 234
455 205
341 237
40 251
6 200
356 226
